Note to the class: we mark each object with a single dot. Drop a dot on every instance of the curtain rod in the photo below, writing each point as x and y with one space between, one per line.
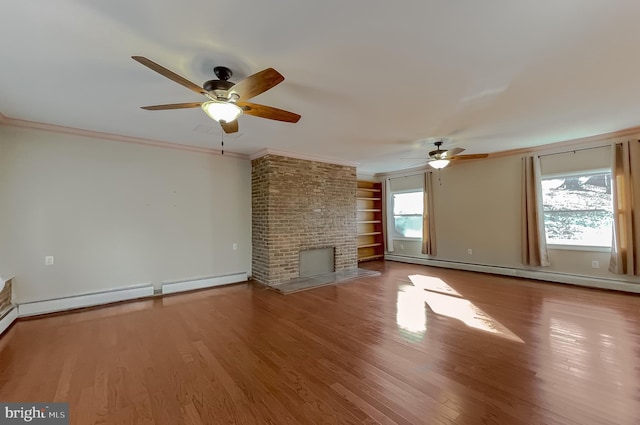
407 175
575 150
416 174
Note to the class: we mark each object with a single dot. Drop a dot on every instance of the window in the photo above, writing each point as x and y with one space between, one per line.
407 214
578 209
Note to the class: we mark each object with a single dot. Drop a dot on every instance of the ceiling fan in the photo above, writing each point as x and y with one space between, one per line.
440 158
226 100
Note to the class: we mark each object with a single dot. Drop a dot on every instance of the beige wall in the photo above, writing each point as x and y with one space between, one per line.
478 207
115 214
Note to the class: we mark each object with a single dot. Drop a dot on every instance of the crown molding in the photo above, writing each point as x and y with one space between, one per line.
421 169
307 157
567 144
365 175
573 143
15 122
558 147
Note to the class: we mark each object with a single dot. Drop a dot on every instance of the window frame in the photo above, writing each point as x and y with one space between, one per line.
396 234
571 247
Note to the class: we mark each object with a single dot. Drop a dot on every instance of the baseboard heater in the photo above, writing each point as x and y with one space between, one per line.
6 319
592 282
85 300
202 283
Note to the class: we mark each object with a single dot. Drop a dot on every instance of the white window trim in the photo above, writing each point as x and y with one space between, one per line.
397 236
568 247
393 192
575 173
592 248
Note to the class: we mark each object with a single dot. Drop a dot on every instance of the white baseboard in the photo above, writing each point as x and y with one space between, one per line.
207 282
85 300
592 282
8 319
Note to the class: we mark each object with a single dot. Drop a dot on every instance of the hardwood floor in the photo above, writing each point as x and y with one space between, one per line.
441 347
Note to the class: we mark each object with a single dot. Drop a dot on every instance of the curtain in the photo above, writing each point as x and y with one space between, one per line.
388 222
534 241
625 168
428 221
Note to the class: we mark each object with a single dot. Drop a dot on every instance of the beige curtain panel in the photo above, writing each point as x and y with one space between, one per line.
534 241
625 190
428 217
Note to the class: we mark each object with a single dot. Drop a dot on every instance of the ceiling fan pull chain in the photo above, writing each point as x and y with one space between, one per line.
222 140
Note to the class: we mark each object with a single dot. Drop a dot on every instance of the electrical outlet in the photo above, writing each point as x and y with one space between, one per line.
235 246
401 246
48 260
470 251
595 264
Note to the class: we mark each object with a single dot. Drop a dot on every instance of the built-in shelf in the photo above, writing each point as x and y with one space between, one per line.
371 257
369 245
369 219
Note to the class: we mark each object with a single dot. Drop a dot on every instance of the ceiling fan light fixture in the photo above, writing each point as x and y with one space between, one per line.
439 163
222 111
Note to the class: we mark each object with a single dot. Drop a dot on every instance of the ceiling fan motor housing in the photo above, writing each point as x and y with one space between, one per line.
222 83
437 154
213 85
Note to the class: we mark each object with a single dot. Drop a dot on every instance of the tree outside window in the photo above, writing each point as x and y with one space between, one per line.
407 214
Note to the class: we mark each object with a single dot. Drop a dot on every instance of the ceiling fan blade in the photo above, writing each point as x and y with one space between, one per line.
471 156
169 74
230 127
257 83
172 106
268 112
454 152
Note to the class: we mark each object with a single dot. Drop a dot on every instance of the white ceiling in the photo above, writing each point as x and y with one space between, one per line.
371 79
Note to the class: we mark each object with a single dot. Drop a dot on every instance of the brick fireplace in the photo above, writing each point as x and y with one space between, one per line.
300 205
5 295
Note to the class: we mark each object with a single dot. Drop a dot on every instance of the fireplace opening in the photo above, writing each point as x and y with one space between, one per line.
316 261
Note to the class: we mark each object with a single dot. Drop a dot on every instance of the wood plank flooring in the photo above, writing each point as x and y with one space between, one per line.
415 345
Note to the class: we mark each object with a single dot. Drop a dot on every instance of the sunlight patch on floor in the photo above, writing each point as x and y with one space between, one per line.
431 283
411 316
442 299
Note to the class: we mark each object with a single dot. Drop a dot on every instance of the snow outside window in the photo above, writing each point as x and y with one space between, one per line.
578 209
